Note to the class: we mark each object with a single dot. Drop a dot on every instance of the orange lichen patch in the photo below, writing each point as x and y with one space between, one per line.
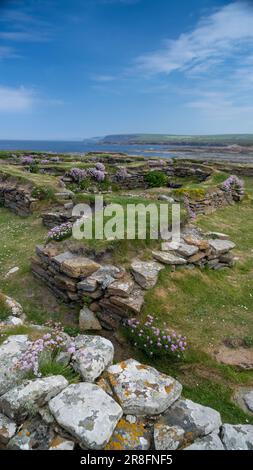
104 384
122 365
168 388
20 433
150 385
56 442
27 433
126 436
141 366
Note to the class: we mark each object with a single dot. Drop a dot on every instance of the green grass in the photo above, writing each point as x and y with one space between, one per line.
51 367
5 311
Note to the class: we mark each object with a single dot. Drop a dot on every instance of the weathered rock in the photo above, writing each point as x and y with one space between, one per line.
79 266
168 258
87 285
23 400
240 357
14 306
11 352
210 442
197 420
131 304
141 389
217 235
86 412
146 273
201 244
221 246
197 258
183 249
7 429
122 287
93 355
168 437
248 398
237 437
60 443
128 436
167 199
88 320
33 435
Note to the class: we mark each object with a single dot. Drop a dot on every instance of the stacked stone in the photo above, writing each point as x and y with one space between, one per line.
17 198
124 406
58 216
214 200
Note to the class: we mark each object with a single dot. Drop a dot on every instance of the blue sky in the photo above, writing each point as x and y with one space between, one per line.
83 68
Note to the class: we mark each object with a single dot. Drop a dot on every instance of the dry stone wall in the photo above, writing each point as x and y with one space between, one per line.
16 197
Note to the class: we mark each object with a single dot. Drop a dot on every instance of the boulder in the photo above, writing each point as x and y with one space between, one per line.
168 258
88 320
23 400
141 389
196 420
129 436
87 413
168 437
7 429
93 354
219 247
210 442
146 273
79 266
11 352
237 437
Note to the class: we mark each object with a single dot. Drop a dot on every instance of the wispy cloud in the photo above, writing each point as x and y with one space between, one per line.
216 37
16 99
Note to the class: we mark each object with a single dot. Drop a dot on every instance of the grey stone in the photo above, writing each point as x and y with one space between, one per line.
248 398
168 258
122 287
141 389
60 443
92 356
210 442
146 273
7 429
237 437
11 352
168 437
27 397
220 247
183 249
88 320
194 418
87 413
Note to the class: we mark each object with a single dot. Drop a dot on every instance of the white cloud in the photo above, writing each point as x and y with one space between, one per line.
216 37
16 99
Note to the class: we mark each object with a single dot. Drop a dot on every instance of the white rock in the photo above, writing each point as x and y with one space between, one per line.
221 246
11 271
210 442
237 437
12 321
7 429
248 399
146 273
93 355
168 437
86 412
183 249
194 418
11 352
141 389
27 397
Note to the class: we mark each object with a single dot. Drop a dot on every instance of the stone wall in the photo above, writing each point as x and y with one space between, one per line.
16 197
215 199
115 293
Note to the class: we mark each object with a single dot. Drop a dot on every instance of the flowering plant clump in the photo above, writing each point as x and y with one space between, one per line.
78 175
60 232
233 182
100 166
49 345
27 160
98 175
121 174
191 214
155 341
44 162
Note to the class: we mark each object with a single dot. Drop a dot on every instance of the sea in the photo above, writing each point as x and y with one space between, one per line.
165 151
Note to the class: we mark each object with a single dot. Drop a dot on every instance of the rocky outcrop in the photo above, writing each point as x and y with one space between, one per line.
130 406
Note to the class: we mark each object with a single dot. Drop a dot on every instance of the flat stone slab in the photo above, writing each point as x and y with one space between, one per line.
183 249
87 413
133 303
128 436
24 399
93 355
168 437
88 320
11 352
146 273
196 419
240 357
210 442
168 258
221 246
141 389
80 266
237 437
122 287
7 429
